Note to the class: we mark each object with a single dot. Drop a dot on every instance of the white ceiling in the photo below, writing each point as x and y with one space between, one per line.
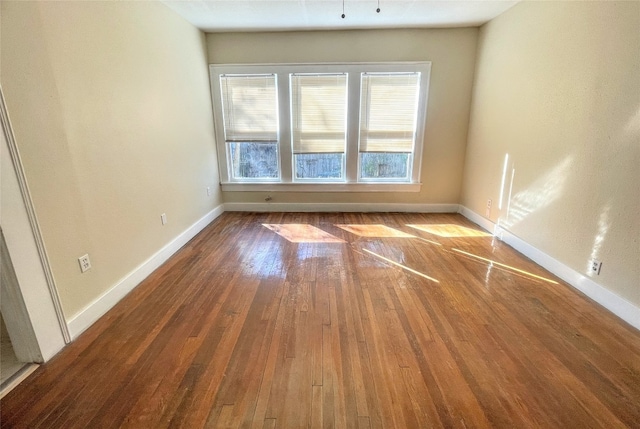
275 15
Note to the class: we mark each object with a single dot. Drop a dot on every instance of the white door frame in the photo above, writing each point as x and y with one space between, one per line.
24 241
14 312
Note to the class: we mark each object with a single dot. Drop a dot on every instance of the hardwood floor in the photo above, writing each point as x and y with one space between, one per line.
345 321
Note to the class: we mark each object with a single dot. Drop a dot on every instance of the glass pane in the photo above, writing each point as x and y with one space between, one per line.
254 160
319 165
384 165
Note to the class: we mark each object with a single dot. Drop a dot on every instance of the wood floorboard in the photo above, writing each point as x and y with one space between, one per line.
390 321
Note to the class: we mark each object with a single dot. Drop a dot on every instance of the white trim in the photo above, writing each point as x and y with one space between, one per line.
26 246
340 207
321 187
619 306
33 218
14 311
91 313
481 221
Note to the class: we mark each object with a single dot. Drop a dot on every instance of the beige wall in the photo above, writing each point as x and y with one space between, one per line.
110 106
557 87
452 53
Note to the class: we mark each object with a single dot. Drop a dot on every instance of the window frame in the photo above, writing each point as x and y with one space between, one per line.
351 182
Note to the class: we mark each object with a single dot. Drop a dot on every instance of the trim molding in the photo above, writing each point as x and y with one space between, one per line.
600 294
14 311
33 218
340 207
91 313
474 217
614 303
320 187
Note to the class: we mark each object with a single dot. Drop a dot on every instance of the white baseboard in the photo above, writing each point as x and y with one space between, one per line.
614 303
603 296
85 318
340 207
474 217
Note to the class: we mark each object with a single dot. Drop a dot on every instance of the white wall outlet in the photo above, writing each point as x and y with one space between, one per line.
208 191
596 266
163 218
488 210
85 263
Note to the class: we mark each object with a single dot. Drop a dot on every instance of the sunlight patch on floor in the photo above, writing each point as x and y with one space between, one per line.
517 270
404 267
377 231
302 233
450 230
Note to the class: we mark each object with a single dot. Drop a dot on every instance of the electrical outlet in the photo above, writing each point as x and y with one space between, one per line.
163 218
596 266
85 263
208 191
488 210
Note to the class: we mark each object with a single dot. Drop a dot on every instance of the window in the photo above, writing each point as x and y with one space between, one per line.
320 127
388 107
250 125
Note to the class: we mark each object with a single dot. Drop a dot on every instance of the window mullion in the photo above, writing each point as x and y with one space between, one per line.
284 120
353 127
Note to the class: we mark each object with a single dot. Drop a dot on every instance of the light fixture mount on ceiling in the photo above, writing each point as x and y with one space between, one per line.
344 16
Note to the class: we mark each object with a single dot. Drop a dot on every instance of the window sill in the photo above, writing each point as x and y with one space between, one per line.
321 187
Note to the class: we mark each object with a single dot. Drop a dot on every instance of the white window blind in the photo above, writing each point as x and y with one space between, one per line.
388 109
319 112
250 107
